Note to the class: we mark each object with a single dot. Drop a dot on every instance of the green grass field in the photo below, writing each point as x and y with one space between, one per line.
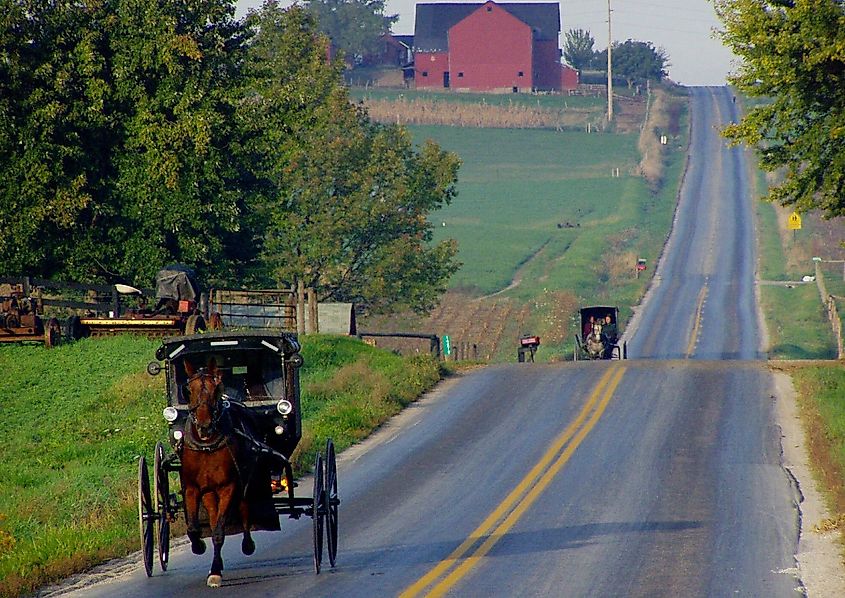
797 325
546 205
75 419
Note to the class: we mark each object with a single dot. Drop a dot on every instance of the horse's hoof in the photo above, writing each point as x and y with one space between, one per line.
214 581
248 547
198 547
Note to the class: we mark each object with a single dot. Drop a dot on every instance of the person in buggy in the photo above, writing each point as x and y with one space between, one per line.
609 336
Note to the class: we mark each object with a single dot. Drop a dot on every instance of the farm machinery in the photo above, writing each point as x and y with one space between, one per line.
177 310
21 318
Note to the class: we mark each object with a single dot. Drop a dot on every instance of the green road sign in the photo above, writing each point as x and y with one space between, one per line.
447 345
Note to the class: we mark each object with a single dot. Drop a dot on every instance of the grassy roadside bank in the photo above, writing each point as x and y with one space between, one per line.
75 419
820 388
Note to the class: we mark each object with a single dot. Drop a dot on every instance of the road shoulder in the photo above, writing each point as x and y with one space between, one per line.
818 559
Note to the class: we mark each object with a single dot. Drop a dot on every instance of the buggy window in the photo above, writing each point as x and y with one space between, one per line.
248 375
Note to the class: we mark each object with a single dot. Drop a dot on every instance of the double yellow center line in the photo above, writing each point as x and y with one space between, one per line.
456 566
696 322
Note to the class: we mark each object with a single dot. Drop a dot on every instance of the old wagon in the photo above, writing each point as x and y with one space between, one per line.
246 385
599 334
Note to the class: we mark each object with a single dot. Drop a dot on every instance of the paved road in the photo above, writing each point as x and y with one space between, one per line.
703 305
657 476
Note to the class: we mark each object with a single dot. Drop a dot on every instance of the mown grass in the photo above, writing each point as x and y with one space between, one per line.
796 321
74 421
797 325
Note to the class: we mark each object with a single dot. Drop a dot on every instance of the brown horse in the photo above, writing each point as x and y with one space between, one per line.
210 471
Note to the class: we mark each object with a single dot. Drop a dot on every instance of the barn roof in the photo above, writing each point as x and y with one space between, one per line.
433 21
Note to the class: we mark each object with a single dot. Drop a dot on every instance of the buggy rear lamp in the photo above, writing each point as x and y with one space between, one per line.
284 407
170 414
279 430
177 435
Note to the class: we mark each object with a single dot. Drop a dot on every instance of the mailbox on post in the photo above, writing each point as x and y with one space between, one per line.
527 345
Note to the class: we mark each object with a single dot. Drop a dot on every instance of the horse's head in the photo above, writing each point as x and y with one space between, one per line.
205 388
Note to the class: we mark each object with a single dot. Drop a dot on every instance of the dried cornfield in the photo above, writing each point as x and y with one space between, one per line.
424 111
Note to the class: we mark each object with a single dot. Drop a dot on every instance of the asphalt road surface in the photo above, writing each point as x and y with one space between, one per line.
656 476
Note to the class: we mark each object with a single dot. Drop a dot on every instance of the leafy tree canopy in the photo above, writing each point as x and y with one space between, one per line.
794 54
578 48
347 199
114 120
134 133
635 61
353 26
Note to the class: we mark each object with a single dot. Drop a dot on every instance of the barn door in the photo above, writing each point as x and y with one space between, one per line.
445 78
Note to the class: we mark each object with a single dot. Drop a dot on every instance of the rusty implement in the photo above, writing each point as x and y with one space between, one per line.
21 321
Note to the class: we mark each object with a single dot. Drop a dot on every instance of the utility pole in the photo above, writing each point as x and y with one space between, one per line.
609 69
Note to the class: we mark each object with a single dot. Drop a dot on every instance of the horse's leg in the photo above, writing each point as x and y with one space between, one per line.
217 520
247 545
192 519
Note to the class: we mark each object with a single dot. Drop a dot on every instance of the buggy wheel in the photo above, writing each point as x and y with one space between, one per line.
318 512
52 333
194 324
161 498
146 516
332 501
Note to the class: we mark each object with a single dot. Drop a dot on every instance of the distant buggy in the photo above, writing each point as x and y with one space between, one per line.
599 334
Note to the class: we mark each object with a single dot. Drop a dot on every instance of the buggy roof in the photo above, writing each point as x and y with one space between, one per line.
284 343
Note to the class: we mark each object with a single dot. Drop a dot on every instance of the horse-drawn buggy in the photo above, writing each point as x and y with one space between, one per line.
599 336
234 415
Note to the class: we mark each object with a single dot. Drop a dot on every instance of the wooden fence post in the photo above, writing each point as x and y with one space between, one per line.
300 307
313 316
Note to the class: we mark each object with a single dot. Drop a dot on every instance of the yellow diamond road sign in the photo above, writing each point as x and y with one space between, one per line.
794 222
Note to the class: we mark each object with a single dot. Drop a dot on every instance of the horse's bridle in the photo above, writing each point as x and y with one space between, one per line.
206 398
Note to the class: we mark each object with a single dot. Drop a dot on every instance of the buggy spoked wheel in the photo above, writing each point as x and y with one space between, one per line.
319 512
331 501
146 515
161 496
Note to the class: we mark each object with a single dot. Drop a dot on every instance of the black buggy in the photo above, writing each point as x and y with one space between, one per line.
261 382
599 334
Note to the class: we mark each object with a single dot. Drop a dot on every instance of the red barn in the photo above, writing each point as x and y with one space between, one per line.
506 47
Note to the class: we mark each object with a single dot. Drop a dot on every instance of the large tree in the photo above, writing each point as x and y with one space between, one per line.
114 127
346 200
793 54
134 133
578 48
635 61
353 26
